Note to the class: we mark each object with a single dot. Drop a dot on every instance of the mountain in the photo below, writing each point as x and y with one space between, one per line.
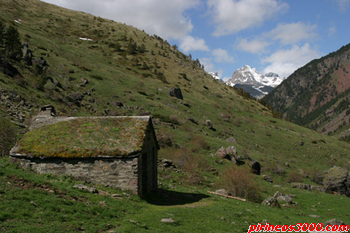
251 81
85 65
318 94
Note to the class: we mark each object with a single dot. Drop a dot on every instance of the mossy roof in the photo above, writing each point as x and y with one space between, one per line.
86 137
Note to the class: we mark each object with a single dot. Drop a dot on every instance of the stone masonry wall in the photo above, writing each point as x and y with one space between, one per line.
116 173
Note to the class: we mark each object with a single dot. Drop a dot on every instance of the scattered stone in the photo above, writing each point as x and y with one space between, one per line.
176 92
301 186
166 163
118 104
282 197
333 221
221 153
167 220
231 140
2 165
84 81
264 221
271 201
301 143
209 124
193 120
285 198
267 178
85 188
337 180
314 216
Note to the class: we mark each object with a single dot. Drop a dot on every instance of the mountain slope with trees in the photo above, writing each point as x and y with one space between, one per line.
318 94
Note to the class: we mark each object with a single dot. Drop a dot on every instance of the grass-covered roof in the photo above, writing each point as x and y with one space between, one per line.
86 137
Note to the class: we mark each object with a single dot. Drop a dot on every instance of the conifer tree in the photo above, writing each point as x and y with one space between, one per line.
12 43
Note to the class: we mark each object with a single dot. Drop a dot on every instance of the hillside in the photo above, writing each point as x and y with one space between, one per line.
318 95
85 65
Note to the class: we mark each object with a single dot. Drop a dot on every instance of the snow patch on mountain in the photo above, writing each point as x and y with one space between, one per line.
215 75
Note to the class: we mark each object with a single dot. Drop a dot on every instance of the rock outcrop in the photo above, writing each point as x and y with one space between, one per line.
337 180
176 92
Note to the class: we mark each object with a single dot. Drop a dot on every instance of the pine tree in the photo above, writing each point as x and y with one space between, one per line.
12 43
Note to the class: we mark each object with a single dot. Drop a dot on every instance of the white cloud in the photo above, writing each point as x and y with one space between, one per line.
189 43
221 55
208 64
253 46
232 16
343 4
163 18
293 32
285 62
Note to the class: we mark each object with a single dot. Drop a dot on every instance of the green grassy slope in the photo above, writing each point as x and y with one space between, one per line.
140 80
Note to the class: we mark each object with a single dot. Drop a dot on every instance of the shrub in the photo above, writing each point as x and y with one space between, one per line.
294 177
238 181
198 142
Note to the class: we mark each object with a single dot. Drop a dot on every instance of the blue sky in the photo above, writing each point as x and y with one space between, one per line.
270 35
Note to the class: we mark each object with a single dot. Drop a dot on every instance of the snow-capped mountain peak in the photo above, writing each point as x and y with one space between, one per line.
250 77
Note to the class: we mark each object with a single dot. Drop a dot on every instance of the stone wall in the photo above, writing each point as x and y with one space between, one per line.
111 172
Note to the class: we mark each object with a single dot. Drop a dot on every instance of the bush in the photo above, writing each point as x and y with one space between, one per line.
238 181
8 136
294 177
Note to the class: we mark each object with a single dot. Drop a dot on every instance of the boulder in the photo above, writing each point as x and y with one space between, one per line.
283 198
231 140
267 178
221 153
337 180
301 186
255 167
333 221
176 92
27 54
271 201
84 81
230 153
209 124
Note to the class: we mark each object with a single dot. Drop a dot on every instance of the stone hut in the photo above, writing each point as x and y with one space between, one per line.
119 152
